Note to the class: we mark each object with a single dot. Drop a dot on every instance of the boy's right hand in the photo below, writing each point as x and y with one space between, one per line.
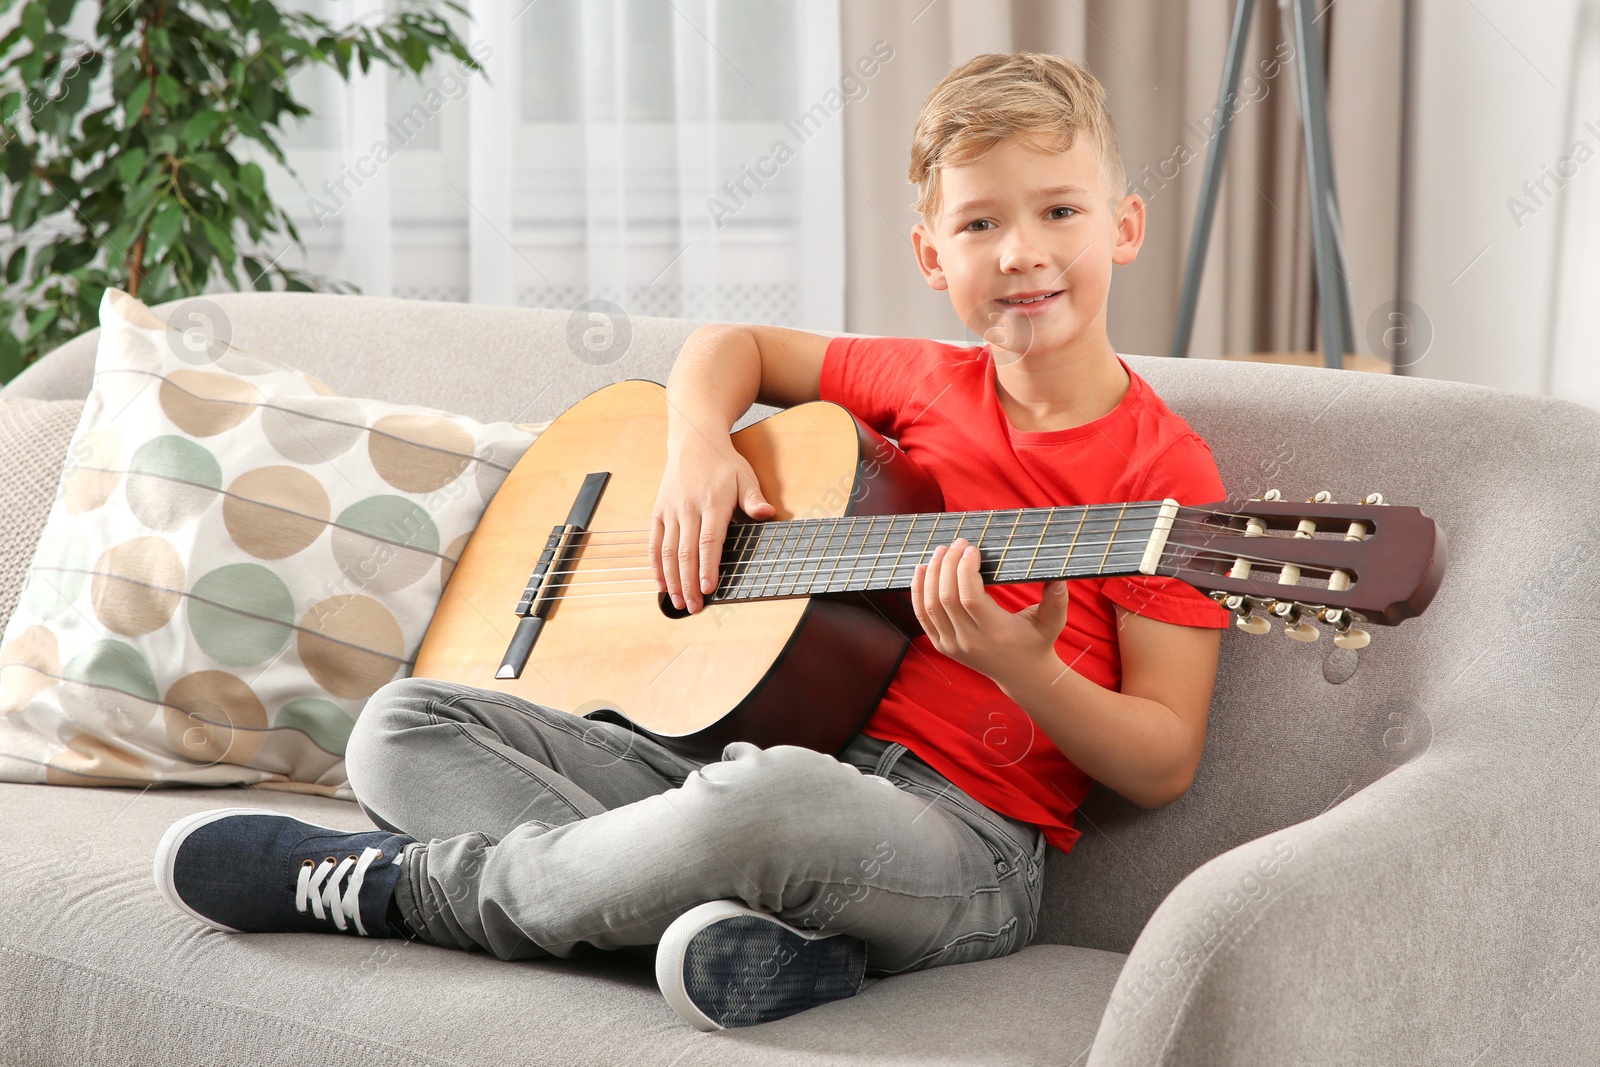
700 487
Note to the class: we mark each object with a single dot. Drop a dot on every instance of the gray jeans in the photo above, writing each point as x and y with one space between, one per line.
547 833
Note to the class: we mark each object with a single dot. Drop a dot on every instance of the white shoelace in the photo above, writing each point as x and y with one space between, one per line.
319 887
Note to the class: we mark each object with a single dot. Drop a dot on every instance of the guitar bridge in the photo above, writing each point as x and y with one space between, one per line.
536 598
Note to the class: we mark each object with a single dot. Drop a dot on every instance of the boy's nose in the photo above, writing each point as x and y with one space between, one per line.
1023 251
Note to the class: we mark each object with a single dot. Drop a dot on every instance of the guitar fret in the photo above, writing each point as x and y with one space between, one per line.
869 553
787 561
815 582
891 580
772 583
772 556
1044 531
860 552
979 542
1113 538
791 560
732 570
1005 549
803 573
1066 564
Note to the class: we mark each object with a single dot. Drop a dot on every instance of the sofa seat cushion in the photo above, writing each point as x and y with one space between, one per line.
97 967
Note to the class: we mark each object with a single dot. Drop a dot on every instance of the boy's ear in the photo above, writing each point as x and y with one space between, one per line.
928 257
1130 229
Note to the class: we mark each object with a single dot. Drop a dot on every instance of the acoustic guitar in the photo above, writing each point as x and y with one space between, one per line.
554 597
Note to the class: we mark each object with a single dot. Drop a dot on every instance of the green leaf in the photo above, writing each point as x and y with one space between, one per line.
219 239
131 165
135 103
18 160
14 265
10 354
37 324
163 228
252 180
168 89
264 18
200 127
25 205
60 11
33 22
70 257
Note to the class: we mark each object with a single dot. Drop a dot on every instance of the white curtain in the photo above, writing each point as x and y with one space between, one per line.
679 158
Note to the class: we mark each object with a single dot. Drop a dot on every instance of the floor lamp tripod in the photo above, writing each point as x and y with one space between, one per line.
1333 280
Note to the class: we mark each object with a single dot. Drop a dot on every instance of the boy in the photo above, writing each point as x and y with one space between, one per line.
774 880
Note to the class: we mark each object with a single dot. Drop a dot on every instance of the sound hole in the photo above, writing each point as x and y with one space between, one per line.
667 608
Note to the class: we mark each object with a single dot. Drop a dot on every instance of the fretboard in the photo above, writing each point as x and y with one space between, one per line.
797 557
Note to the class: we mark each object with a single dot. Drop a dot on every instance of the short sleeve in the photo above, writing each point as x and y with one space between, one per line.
1186 472
877 378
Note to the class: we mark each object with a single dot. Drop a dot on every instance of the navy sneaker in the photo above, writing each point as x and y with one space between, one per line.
243 870
722 964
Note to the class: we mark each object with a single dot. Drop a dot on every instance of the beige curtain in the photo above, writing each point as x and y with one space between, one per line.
1161 63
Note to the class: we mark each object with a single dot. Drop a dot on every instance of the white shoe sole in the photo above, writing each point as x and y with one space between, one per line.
675 946
167 854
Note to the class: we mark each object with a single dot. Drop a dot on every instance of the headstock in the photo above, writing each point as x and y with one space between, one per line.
1338 564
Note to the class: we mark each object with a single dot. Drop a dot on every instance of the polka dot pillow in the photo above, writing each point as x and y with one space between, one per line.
236 559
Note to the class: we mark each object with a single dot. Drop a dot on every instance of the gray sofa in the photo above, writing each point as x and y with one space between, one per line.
1387 857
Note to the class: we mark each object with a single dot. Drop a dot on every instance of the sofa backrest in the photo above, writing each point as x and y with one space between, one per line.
1295 728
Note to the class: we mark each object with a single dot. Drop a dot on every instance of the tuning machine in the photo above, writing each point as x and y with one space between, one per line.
1294 626
1244 611
1346 634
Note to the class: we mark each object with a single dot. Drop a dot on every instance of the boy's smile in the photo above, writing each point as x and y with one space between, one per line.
1021 223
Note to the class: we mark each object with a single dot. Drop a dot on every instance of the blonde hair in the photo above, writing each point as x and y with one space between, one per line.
1046 101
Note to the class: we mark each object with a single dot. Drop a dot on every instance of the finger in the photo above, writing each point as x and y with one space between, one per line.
969 584
755 505
669 558
657 528
949 589
689 561
713 529
919 602
930 591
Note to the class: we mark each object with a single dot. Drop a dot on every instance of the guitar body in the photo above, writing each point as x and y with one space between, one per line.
804 670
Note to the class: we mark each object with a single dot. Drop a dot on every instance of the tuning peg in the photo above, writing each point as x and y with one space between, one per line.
1346 635
1246 618
1293 626
1254 624
1352 638
1374 498
1323 497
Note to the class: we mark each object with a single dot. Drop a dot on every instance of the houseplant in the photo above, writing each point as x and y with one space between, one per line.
121 149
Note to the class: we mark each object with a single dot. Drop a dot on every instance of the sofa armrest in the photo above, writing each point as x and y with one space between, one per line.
1444 914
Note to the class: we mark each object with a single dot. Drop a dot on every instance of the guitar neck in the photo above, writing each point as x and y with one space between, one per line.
798 557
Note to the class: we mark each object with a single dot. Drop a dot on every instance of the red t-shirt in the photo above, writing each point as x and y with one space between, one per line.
939 402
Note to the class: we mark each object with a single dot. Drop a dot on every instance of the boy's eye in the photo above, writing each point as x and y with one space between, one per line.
976 222
1063 208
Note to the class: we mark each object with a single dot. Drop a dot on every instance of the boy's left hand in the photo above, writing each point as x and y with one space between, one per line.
966 624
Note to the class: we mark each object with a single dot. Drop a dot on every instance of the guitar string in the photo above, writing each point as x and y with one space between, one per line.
739 529
741 544
1184 517
1182 508
794 565
560 590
